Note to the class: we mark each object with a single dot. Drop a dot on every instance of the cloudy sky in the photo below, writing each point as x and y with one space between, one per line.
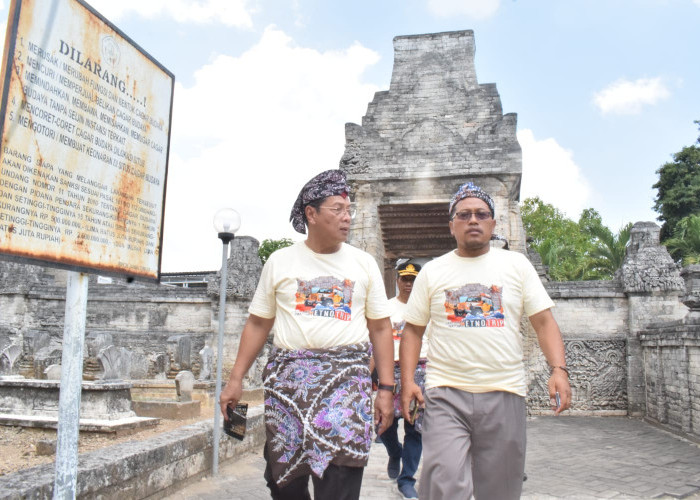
605 92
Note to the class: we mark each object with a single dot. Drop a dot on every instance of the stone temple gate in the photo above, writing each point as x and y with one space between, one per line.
434 129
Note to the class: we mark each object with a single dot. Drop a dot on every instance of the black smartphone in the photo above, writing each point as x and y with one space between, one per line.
236 423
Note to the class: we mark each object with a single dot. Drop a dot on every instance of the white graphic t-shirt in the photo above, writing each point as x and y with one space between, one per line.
398 322
320 300
475 306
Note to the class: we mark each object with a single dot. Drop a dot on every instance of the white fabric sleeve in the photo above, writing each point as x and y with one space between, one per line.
264 302
418 307
376 305
535 297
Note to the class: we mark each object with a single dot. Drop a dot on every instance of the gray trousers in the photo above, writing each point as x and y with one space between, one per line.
473 443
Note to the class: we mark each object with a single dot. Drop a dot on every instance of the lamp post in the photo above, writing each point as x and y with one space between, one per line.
226 222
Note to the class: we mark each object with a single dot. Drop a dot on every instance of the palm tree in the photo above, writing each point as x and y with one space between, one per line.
609 249
685 243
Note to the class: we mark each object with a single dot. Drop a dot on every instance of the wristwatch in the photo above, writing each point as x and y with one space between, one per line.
386 387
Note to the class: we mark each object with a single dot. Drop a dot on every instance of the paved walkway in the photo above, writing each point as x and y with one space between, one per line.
568 457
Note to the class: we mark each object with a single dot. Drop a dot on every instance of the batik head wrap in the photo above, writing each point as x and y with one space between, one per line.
325 184
471 190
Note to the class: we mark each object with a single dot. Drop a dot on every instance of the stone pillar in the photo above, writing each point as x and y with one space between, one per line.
653 284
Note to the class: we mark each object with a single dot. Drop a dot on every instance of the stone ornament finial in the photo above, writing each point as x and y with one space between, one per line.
691 298
648 267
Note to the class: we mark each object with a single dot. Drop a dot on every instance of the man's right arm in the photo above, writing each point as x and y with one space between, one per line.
253 339
409 353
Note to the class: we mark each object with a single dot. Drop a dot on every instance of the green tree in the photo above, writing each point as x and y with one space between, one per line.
583 250
559 240
608 249
268 246
678 188
685 243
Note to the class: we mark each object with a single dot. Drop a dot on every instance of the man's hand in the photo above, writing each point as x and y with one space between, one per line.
383 410
559 382
410 392
230 395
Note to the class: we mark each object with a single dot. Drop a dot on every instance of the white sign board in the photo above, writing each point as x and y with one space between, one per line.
85 123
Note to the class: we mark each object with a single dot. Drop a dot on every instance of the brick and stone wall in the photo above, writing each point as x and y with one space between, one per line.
162 328
671 361
593 319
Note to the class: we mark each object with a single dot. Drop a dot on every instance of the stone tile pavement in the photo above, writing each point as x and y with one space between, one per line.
568 457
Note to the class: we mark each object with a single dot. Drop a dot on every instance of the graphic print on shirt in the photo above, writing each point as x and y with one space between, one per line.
325 297
397 329
475 306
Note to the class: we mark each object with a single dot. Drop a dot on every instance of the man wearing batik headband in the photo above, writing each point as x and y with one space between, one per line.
474 297
327 303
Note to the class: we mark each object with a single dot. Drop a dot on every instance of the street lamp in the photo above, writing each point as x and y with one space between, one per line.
226 222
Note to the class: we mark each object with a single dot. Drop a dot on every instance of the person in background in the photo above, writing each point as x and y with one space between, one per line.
404 459
327 302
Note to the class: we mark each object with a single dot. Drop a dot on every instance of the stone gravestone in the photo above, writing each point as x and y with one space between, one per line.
180 350
116 363
184 385
207 357
161 366
53 372
96 342
45 358
139 366
8 358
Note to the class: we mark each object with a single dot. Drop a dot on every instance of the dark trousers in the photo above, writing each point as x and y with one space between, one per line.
410 451
339 483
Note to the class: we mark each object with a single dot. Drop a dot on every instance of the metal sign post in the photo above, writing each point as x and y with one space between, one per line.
65 478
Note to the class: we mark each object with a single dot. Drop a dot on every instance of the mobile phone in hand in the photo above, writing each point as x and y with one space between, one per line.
413 408
557 398
236 423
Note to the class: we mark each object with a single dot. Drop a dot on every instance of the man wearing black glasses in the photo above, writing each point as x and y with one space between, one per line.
474 297
327 302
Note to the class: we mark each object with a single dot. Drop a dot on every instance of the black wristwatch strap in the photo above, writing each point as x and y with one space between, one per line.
386 387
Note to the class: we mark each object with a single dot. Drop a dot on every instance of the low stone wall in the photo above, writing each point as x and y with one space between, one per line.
151 468
672 369
592 316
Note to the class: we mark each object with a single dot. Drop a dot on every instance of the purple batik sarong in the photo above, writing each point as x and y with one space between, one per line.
317 409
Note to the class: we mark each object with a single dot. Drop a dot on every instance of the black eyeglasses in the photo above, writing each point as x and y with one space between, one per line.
467 216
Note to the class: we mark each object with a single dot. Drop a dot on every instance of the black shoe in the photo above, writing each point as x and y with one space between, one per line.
393 468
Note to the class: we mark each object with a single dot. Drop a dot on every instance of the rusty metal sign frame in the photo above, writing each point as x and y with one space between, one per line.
154 272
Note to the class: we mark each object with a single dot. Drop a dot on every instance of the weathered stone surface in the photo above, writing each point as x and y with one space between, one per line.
434 129
99 401
53 372
243 269
598 378
115 362
184 384
180 351
207 357
139 468
648 267
169 410
45 447
691 297
8 359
